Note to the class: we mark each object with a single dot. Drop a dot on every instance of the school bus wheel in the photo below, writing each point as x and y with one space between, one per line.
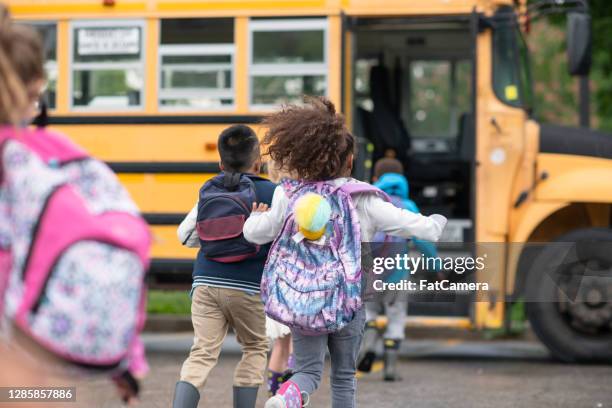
569 296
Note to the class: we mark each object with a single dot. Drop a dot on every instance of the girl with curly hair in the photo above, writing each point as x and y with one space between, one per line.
323 209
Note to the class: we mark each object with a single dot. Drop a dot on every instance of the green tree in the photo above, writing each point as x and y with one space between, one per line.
601 13
556 90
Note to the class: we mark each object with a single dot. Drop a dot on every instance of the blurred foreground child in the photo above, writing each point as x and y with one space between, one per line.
73 247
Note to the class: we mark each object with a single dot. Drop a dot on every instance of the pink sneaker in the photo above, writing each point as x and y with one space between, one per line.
288 396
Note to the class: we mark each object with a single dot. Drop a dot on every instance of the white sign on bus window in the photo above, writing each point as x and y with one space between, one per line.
108 41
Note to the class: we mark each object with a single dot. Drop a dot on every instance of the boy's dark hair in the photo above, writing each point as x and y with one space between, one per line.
310 140
238 148
388 165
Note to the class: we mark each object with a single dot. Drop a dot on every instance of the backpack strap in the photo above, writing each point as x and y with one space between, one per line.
360 187
53 147
291 186
7 132
356 188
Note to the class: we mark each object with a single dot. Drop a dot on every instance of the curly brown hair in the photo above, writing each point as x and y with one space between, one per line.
310 140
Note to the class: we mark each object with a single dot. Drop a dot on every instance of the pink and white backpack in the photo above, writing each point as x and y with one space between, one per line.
74 250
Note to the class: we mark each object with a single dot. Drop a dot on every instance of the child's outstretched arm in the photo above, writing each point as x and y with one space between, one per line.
264 225
186 232
402 223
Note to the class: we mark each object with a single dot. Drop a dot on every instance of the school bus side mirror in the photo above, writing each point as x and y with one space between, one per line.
579 43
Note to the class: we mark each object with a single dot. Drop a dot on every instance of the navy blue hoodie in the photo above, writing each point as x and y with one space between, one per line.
244 275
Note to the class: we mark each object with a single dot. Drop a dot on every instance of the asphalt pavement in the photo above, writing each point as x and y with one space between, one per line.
436 374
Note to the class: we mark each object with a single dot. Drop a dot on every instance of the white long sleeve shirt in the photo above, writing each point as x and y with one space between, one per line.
186 231
375 214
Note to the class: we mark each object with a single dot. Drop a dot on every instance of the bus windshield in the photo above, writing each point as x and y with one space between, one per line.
511 70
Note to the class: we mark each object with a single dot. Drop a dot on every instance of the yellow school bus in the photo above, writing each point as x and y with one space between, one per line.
147 85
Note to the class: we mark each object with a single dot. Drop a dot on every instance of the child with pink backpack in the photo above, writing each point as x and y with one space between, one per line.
74 249
312 278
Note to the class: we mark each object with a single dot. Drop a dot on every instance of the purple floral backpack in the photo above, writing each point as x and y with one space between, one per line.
74 251
315 286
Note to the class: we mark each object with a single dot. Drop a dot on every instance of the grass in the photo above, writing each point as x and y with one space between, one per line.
169 302
178 303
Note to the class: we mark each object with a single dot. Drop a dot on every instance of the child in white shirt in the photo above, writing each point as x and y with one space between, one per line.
312 142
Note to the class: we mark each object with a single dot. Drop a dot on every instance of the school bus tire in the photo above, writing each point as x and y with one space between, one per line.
555 328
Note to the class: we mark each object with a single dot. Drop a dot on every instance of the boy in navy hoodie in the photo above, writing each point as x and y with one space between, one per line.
226 275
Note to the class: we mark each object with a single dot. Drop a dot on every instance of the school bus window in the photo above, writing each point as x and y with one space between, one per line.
511 76
288 59
48 34
525 71
440 93
462 87
430 98
197 63
363 98
107 65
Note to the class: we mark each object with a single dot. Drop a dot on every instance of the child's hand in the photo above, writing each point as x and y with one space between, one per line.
440 220
127 387
261 207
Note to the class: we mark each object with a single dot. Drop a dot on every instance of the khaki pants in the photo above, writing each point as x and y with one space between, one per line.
213 311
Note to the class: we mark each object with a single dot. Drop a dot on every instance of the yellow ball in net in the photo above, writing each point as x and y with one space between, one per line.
312 213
